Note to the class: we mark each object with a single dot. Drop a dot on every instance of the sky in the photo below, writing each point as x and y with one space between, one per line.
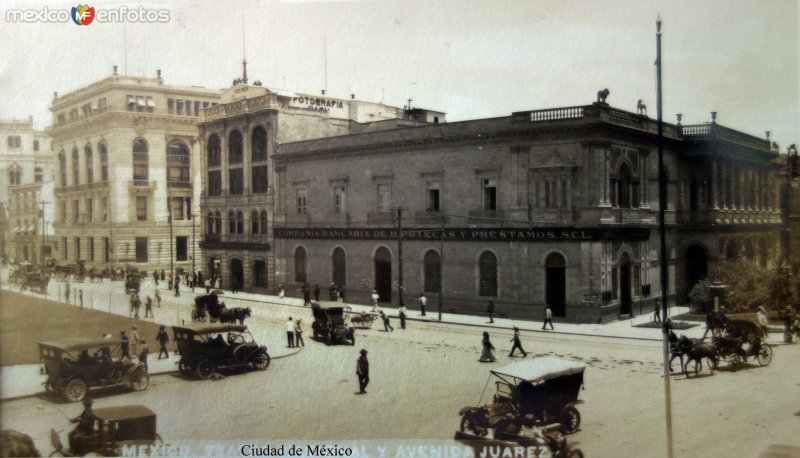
471 59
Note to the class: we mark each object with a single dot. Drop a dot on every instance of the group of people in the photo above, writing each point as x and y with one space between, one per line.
136 304
335 292
487 352
294 333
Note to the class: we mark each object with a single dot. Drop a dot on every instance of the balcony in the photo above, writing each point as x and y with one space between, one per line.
430 218
137 185
179 184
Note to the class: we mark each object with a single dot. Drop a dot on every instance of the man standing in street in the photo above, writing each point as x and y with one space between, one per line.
125 345
177 288
66 291
290 332
548 318
490 311
162 337
307 294
143 351
517 343
137 304
148 307
402 311
158 298
375 298
423 301
136 339
362 370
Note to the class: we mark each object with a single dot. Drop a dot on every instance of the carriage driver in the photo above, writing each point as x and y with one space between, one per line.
85 429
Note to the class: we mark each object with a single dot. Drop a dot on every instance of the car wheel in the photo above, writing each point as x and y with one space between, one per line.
468 426
261 361
139 380
570 420
205 368
75 390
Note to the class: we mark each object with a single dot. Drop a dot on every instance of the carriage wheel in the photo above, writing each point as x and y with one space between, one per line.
139 380
205 368
261 361
764 355
468 425
733 359
570 419
75 390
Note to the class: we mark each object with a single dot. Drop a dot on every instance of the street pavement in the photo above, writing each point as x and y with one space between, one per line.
26 380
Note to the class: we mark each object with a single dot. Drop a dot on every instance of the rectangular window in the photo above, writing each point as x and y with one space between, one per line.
259 179
197 108
89 211
141 208
140 104
141 249
91 249
66 247
214 183
63 211
179 107
236 182
170 106
181 248
105 209
177 208
188 107
301 201
339 203
78 248
76 211
490 194
384 197
432 204
106 250
150 104
140 172
131 102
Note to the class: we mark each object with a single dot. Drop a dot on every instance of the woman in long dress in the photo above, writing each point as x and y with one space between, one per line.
487 356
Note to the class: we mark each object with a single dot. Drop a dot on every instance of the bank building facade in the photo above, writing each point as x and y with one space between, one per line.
553 207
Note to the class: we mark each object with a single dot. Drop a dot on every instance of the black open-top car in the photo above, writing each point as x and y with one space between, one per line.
330 322
206 347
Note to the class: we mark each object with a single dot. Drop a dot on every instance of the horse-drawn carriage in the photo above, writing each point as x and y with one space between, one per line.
210 307
546 387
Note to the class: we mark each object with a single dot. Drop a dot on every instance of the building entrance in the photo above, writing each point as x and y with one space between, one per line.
383 274
625 284
556 285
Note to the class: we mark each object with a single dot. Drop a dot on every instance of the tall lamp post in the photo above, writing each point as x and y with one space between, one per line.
662 202
792 171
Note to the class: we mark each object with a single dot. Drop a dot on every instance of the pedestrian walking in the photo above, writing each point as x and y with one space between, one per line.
280 291
162 275
517 343
317 292
490 311
125 345
80 297
135 339
548 318
362 371
169 282
290 332
402 310
158 298
375 298
657 313
386 325
163 338
234 286
137 304
66 291
298 334
423 301
307 295
177 288
487 355
132 300
148 307
143 351
155 277
340 292
796 328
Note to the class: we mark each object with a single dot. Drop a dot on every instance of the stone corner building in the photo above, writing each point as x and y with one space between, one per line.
553 207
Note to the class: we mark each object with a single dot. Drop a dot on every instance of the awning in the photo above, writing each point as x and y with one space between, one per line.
140 101
131 100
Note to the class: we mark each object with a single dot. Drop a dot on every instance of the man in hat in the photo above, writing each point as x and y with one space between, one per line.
761 317
148 307
517 343
362 370
136 339
290 332
143 351
386 325
375 298
125 345
317 292
84 430
162 337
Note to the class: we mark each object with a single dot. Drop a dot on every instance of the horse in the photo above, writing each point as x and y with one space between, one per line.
240 313
641 108
695 351
601 95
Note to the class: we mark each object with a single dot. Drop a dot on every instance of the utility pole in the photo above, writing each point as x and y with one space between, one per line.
41 250
400 253
662 203
441 269
192 216
169 218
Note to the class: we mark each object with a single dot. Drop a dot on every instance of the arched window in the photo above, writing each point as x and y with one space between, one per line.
254 222
218 223
210 223
62 167
339 267
231 222
103 162
38 174
259 144
235 153
300 265
433 272
213 150
263 222
140 159
89 156
240 222
178 164
487 267
75 167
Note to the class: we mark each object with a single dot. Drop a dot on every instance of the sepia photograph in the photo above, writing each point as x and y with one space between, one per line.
400 228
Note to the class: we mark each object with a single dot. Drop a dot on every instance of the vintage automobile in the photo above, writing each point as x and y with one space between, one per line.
546 387
74 366
116 432
206 347
330 323
133 282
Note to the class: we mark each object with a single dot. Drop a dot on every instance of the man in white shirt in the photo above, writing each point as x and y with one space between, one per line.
375 298
548 318
423 301
290 332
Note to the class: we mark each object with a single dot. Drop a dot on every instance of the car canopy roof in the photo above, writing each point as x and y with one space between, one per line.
540 369
330 305
210 328
123 413
78 343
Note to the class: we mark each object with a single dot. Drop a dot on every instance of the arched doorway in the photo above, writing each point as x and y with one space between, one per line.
556 284
339 267
383 274
237 273
625 284
696 267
